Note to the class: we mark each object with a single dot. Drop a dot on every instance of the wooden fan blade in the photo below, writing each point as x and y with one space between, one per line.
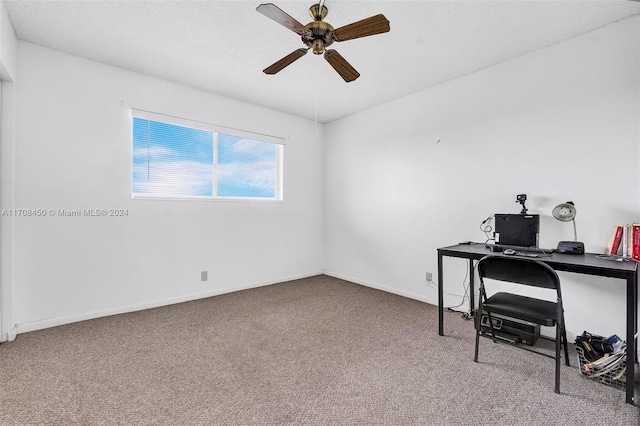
272 11
370 26
287 60
344 68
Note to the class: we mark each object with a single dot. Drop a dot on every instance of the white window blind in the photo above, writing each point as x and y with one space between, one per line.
178 158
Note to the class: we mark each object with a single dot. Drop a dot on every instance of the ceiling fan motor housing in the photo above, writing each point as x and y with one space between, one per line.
319 37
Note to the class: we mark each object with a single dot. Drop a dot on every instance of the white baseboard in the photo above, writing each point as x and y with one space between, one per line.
9 336
385 288
54 322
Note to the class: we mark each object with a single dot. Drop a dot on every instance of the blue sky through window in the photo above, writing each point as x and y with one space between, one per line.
246 168
176 161
171 160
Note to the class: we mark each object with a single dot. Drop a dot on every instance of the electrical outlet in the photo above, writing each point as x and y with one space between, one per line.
204 276
428 276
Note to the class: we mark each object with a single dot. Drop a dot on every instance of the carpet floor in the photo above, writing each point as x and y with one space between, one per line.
316 351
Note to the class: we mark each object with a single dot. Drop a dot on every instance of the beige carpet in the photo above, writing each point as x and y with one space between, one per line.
313 351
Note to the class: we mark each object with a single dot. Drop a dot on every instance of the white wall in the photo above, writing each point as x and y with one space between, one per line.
399 181
73 151
423 171
8 46
8 75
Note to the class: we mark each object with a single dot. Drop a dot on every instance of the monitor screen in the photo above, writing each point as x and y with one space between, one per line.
517 229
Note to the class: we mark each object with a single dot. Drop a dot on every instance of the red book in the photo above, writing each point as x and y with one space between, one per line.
614 242
636 241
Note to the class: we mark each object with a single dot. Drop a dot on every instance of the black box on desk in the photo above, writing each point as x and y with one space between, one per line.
517 229
511 330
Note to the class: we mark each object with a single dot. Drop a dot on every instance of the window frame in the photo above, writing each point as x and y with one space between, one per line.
278 142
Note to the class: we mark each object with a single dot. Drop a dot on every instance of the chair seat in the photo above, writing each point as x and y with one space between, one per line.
525 308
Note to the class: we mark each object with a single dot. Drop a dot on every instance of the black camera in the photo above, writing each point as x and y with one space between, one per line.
521 198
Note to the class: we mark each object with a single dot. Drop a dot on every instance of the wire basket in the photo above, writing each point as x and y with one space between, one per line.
607 370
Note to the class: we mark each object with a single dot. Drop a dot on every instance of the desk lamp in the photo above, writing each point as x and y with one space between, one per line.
566 212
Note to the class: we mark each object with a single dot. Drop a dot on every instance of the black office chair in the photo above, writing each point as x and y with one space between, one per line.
529 272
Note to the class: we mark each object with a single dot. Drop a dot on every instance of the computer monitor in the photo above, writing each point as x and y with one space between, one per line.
517 229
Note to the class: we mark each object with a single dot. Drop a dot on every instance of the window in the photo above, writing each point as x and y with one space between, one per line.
176 158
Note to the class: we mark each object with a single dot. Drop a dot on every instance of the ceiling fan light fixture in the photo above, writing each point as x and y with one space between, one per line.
318 46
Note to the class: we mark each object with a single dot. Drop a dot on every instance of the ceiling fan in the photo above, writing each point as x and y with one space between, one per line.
318 35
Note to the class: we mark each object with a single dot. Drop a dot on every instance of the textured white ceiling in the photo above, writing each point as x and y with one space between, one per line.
223 46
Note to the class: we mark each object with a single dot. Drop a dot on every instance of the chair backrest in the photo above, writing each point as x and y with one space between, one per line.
519 270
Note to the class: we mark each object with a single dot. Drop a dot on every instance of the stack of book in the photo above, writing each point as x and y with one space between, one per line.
625 241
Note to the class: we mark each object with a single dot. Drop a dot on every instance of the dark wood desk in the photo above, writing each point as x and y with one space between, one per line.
582 264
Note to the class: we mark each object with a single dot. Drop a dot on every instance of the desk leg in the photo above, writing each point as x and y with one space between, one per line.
440 297
472 297
632 309
635 316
